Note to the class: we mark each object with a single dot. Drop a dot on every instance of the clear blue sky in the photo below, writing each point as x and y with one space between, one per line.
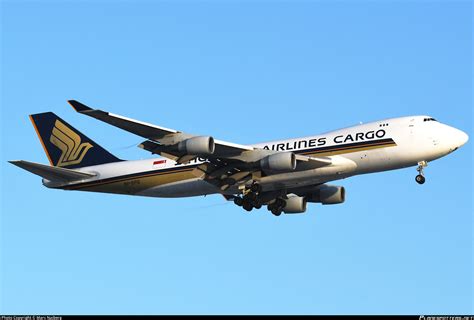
244 72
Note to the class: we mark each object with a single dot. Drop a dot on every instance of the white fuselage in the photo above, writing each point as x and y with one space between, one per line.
372 147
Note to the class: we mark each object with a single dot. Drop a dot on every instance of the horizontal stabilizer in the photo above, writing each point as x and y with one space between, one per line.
52 173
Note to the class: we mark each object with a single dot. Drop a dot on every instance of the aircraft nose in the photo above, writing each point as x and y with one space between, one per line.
463 138
459 137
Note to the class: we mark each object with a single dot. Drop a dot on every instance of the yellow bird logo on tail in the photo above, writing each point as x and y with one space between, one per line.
69 142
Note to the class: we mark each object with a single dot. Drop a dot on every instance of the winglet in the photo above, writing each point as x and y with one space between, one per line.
79 107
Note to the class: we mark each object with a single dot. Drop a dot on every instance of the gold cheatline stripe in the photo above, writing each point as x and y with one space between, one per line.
326 152
95 184
353 148
337 152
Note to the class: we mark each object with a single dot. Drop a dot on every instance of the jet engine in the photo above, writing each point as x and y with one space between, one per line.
285 161
327 194
197 145
295 204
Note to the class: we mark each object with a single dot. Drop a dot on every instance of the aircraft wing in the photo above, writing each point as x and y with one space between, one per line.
226 165
161 140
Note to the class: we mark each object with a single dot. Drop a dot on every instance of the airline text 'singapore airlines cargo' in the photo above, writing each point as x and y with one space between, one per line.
282 175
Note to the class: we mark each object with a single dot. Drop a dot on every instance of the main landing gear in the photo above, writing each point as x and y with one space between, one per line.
420 178
277 207
250 199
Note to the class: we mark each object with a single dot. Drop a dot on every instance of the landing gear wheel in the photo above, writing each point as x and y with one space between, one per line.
420 179
276 211
238 201
257 203
280 203
247 206
277 207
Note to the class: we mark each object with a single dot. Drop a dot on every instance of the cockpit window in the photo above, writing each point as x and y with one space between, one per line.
429 119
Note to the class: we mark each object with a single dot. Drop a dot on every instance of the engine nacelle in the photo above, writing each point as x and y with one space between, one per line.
197 145
295 204
285 161
327 194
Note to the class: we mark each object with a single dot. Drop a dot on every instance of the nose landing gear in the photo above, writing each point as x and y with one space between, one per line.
420 178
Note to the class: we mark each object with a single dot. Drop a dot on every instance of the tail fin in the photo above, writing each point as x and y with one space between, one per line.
65 146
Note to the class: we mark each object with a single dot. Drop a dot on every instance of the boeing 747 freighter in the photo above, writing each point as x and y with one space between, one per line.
282 175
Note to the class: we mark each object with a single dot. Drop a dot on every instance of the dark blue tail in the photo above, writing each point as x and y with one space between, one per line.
65 146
